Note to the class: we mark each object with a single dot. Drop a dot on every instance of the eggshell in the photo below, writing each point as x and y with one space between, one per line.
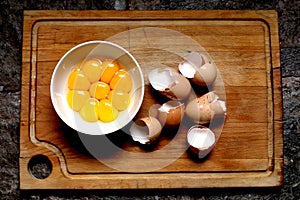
145 130
199 112
202 109
206 74
201 140
171 113
170 83
199 68
218 107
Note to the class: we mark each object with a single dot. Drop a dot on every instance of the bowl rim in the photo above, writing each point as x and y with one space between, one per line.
58 65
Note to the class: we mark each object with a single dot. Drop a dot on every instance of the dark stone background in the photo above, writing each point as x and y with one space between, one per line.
10 77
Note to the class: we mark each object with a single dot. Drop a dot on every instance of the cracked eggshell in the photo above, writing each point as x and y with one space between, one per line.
199 68
145 130
201 140
170 83
202 109
218 107
171 113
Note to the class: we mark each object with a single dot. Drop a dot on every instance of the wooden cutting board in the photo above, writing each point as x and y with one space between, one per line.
245 48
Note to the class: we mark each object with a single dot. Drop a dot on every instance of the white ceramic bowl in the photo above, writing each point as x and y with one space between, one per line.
58 86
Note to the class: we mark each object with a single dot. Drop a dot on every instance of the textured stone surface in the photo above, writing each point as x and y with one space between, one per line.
10 77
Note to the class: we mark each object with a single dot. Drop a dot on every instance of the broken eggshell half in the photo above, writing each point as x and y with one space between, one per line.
145 130
199 68
202 109
170 83
201 140
171 113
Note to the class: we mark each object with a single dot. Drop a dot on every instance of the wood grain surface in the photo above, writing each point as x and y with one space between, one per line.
244 46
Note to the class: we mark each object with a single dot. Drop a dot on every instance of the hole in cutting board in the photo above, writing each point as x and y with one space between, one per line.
40 167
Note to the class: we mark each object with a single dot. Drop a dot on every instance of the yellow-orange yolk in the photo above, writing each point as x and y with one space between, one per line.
89 111
119 99
109 70
121 81
107 112
78 81
92 69
121 65
99 90
77 98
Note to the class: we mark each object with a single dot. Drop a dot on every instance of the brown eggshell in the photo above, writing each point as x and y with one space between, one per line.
145 130
205 75
202 109
199 111
170 83
199 68
201 140
171 113
182 89
218 108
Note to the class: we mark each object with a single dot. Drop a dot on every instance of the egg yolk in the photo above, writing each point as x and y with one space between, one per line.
120 100
107 112
121 65
121 81
92 69
77 98
89 111
109 70
78 81
99 90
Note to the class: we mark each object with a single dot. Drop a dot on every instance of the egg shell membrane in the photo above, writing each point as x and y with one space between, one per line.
195 59
169 83
163 79
201 140
219 108
189 66
179 90
199 68
145 130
